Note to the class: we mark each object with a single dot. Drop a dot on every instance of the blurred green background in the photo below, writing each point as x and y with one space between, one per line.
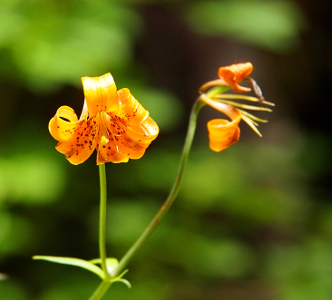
251 222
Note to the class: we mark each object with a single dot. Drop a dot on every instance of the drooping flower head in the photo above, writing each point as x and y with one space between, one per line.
222 132
112 122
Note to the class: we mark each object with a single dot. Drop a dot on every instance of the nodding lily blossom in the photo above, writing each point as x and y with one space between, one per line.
112 122
222 132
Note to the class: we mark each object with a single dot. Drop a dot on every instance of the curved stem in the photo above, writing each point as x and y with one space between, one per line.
172 195
102 219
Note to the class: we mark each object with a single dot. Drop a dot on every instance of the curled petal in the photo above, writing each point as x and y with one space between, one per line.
100 93
82 143
137 139
85 112
222 133
130 109
234 74
147 131
63 124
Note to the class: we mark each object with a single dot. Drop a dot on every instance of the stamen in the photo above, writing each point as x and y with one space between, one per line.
252 116
242 97
116 144
251 124
250 107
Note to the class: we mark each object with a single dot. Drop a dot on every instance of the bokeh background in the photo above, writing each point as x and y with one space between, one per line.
251 222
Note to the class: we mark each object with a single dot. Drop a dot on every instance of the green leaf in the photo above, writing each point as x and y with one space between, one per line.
125 281
72 262
120 279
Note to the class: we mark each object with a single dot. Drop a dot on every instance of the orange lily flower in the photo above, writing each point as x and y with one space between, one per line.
112 122
223 133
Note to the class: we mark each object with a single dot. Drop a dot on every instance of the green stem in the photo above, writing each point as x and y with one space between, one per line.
101 290
102 220
172 195
106 283
217 90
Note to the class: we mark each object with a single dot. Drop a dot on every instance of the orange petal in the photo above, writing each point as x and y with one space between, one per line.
82 143
130 109
222 133
137 139
110 152
234 74
122 143
100 93
146 132
226 109
63 124
120 149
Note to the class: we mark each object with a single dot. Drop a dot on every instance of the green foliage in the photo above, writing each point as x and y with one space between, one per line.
263 197
31 176
274 25
55 42
28 178
164 108
303 271
12 291
16 233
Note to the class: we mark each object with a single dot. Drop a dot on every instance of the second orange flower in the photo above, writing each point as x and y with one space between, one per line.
222 132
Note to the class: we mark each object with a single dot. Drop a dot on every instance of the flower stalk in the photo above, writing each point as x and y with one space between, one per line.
106 283
102 219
